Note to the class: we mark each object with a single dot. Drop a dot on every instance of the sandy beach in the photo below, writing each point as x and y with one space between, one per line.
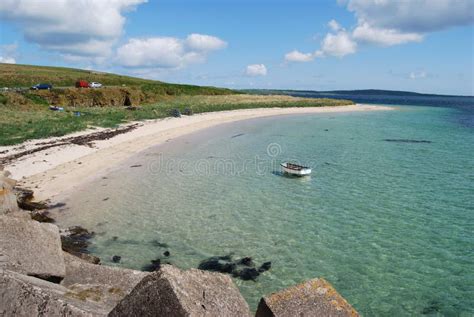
58 169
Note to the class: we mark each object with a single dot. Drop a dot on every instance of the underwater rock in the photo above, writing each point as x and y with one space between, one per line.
265 267
116 258
246 274
242 268
247 261
217 264
153 266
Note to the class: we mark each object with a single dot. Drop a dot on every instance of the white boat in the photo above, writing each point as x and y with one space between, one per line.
295 169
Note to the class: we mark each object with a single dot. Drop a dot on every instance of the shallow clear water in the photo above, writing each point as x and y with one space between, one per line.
389 224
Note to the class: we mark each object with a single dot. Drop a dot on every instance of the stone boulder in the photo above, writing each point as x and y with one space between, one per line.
315 298
85 257
107 285
22 295
8 202
172 292
79 271
31 248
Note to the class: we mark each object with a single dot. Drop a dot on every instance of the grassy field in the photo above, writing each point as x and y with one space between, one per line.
21 123
25 114
14 75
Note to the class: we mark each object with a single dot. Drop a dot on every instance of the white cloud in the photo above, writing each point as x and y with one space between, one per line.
201 42
334 44
73 27
334 25
167 52
387 22
7 60
339 44
7 53
297 56
386 37
417 74
419 16
256 70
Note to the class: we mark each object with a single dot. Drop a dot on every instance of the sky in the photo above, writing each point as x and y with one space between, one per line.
413 45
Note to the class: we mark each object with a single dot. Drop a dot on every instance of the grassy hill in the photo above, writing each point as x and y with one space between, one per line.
25 114
25 76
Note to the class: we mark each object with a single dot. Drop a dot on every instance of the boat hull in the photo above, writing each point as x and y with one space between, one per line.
301 172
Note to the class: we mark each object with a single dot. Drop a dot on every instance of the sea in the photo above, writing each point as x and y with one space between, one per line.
387 216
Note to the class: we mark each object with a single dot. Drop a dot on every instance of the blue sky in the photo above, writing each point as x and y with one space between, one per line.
417 45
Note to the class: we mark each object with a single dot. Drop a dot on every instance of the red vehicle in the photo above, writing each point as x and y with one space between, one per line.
82 84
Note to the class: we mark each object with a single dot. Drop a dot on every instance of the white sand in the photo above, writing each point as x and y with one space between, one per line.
59 169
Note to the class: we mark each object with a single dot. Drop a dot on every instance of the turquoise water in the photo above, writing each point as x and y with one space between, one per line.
389 224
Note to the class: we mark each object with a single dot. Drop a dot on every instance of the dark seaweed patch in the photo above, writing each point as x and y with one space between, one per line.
243 268
76 239
153 266
116 258
159 244
433 307
56 205
406 141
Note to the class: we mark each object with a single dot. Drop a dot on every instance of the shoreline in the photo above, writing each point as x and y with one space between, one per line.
55 170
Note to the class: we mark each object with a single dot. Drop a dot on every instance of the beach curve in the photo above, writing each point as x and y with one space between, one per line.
53 171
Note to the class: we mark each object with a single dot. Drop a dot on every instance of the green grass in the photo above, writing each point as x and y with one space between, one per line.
38 121
14 75
3 99
36 99
25 115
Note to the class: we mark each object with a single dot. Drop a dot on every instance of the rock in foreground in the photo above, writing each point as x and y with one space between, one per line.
172 292
81 272
8 202
22 295
31 248
315 298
